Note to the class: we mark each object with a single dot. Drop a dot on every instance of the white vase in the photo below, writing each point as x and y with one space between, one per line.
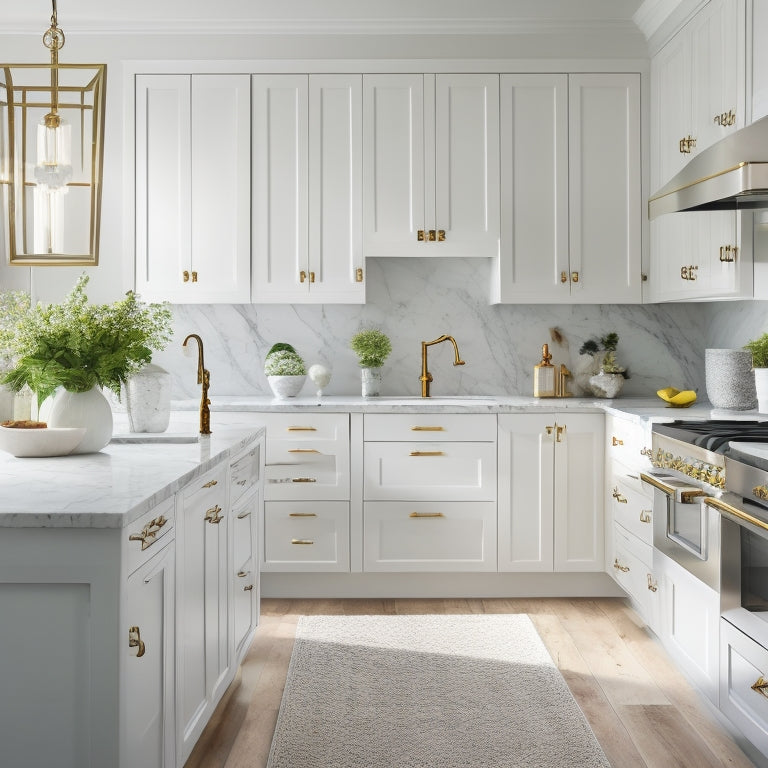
147 397
606 384
371 381
761 386
286 386
83 409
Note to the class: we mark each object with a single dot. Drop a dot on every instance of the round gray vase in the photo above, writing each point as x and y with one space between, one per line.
730 381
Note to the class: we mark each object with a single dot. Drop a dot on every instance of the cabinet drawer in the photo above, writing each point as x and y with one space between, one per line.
149 533
306 536
210 489
632 509
434 536
419 471
742 663
424 427
632 567
244 472
625 441
301 427
245 519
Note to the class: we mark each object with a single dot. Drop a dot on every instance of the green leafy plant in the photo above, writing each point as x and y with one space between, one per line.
371 346
77 345
606 344
759 349
284 362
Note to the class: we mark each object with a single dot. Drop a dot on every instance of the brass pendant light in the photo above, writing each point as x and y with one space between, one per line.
51 157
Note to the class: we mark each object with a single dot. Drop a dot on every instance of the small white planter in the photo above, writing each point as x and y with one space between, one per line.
83 409
371 381
761 385
286 386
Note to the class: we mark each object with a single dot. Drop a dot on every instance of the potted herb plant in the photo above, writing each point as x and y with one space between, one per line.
285 370
372 347
73 349
608 380
759 349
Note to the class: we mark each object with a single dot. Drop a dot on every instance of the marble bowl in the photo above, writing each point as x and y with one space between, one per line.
51 441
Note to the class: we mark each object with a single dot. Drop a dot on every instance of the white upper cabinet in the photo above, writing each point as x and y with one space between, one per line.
307 189
570 189
192 188
431 152
758 62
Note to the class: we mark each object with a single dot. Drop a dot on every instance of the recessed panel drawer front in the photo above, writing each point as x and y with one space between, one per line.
632 509
150 533
306 536
427 471
424 427
299 427
625 442
429 536
245 519
631 567
244 472
743 664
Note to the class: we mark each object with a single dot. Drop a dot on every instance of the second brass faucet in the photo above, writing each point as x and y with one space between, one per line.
426 376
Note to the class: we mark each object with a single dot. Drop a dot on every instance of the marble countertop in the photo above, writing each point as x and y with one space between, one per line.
117 485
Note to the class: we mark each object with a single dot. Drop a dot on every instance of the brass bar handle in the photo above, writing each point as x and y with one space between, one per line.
619 567
303 450
243 515
653 585
211 483
645 515
135 641
359 275
311 277
550 430
616 495
560 430
302 429
441 235
302 276
302 514
760 685
213 515
616 441
427 429
247 587
427 453
420 236
426 514
303 479
302 541
149 532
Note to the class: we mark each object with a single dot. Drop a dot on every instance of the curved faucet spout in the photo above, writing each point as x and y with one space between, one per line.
426 376
204 378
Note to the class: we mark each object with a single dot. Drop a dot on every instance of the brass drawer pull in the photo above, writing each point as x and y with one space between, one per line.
302 514
652 583
247 587
213 515
420 236
432 235
616 441
135 641
243 515
302 429
440 235
242 574
645 515
211 483
149 532
302 541
760 685
426 514
427 453
427 429
359 275
619 567
616 495
303 479
303 450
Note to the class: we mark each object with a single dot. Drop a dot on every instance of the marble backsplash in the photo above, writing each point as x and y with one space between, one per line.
416 300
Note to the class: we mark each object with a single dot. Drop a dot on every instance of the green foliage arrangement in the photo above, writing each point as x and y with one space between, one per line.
284 360
608 345
77 345
759 349
371 346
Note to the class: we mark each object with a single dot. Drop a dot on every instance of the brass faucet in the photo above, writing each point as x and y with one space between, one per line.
204 378
426 376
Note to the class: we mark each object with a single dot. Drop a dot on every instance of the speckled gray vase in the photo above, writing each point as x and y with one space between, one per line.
729 379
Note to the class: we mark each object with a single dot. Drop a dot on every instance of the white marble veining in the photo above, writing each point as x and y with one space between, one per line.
414 300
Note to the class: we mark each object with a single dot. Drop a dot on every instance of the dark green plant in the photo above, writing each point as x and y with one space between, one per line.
759 349
606 344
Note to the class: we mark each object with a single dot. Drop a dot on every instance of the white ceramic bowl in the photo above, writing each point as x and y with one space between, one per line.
51 441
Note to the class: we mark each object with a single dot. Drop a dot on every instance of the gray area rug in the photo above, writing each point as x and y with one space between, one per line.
427 692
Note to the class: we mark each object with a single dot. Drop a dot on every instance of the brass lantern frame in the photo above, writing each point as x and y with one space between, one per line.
27 92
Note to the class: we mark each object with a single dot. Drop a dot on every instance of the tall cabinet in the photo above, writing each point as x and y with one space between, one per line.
570 189
193 148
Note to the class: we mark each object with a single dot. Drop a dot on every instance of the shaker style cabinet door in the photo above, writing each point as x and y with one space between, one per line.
307 189
193 188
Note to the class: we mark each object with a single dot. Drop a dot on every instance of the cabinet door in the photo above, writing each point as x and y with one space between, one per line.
148 735
578 496
335 189
280 121
244 570
758 66
526 492
466 166
604 180
393 154
534 189
192 188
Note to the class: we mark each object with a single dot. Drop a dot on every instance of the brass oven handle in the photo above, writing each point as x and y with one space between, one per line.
721 506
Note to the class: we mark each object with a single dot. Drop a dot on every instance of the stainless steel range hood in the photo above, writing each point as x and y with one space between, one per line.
731 174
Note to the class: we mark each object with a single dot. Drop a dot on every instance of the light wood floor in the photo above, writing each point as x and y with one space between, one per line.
641 709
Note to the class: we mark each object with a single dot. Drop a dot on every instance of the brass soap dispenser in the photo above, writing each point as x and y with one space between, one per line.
544 375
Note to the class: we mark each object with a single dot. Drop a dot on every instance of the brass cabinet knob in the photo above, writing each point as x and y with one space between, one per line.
185 275
359 275
311 277
574 277
563 277
194 276
302 276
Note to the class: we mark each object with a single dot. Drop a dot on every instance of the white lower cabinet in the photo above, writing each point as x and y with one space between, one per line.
689 623
550 492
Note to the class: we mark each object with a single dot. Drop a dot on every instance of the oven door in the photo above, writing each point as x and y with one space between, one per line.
685 529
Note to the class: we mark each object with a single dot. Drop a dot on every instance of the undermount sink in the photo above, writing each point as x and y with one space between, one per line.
155 437
466 401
